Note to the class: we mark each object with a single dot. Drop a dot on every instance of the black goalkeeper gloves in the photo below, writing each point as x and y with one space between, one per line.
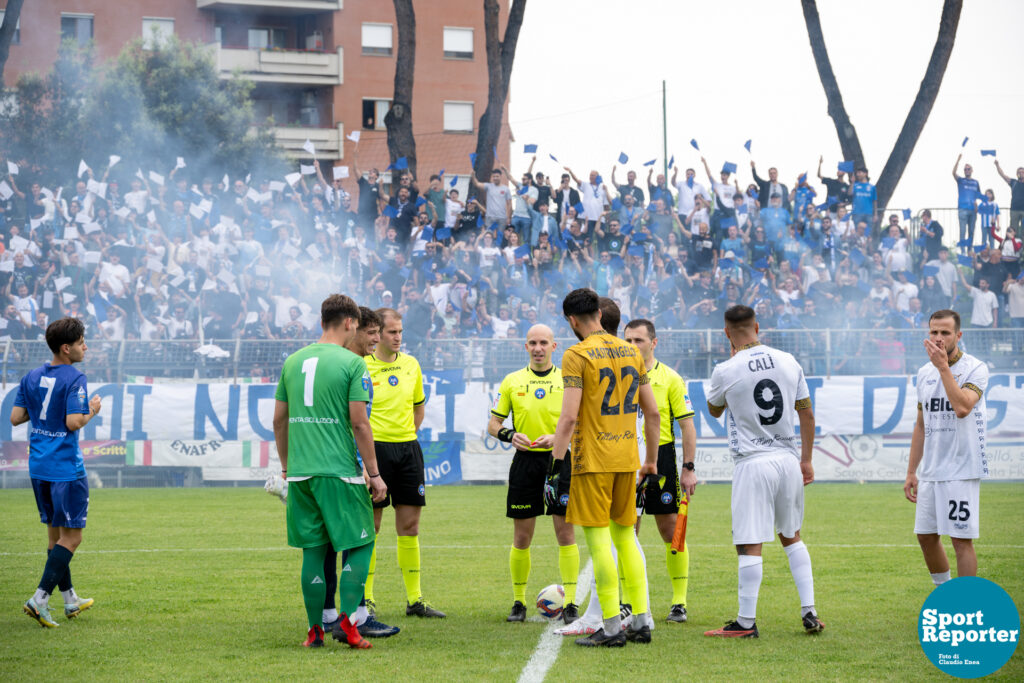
551 485
650 481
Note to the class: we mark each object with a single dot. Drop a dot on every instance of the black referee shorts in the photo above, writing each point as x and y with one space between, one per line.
665 499
401 468
526 480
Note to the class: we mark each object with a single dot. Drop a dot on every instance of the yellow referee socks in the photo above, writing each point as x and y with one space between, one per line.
519 566
634 573
409 563
678 572
599 542
368 588
569 569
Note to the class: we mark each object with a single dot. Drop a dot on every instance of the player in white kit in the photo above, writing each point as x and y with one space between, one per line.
947 449
762 388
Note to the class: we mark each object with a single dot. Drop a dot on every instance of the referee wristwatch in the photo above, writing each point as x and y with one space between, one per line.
688 466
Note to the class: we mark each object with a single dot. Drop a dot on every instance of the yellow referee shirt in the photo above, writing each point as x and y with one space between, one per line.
534 401
397 388
673 399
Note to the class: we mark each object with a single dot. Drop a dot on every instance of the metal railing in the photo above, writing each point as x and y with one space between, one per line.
693 353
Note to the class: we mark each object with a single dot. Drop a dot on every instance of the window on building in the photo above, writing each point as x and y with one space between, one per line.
458 117
377 39
268 38
458 43
218 35
374 112
17 28
156 32
76 27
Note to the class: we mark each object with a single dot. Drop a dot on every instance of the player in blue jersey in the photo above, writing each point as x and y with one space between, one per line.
54 398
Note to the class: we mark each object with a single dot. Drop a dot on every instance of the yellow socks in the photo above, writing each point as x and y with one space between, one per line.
368 588
599 543
678 572
409 563
519 566
569 569
633 571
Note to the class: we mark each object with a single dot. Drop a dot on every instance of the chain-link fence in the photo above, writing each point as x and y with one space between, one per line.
692 353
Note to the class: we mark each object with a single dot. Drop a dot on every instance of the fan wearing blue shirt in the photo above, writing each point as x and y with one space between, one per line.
968 192
865 199
54 398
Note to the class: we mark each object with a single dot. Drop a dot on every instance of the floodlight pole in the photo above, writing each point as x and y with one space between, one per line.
664 131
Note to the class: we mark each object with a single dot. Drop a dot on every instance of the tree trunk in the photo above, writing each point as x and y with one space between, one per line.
399 117
500 56
848 141
923 103
10 23
919 111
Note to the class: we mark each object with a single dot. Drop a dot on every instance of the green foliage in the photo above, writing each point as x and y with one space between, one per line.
41 120
198 584
149 106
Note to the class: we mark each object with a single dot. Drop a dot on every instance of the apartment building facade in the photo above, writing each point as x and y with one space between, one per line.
322 68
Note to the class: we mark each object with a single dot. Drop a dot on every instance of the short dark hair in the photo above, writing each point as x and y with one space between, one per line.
369 318
946 313
642 322
64 331
581 303
610 315
740 316
336 308
927 212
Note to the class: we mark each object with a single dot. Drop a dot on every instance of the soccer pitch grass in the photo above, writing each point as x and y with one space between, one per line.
199 584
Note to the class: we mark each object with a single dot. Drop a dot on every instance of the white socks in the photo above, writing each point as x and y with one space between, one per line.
360 616
41 598
330 615
800 568
749 584
69 596
940 578
644 618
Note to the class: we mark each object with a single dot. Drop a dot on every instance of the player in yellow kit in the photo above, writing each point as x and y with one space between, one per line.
398 409
605 382
533 398
673 404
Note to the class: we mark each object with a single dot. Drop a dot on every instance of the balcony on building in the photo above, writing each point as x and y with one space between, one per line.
297 113
276 6
274 48
329 142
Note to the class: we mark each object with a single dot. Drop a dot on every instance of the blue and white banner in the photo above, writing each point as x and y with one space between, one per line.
863 426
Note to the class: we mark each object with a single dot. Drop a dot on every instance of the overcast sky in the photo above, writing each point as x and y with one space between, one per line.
587 85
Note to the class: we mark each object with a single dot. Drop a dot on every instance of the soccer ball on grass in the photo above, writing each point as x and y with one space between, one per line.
550 601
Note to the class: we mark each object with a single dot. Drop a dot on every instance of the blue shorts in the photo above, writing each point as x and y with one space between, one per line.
62 503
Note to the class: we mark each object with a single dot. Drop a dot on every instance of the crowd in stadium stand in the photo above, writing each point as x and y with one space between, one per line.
149 256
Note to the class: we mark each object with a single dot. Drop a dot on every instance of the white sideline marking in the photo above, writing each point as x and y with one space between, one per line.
280 548
546 653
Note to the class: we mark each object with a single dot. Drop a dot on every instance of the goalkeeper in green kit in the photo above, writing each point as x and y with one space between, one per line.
320 419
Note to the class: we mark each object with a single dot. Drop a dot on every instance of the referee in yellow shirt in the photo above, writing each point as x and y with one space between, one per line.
398 409
533 398
673 404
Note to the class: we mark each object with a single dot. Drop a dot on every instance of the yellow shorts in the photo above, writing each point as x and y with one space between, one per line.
595 498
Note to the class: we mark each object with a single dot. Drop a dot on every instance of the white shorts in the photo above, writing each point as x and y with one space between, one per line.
767 495
948 508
